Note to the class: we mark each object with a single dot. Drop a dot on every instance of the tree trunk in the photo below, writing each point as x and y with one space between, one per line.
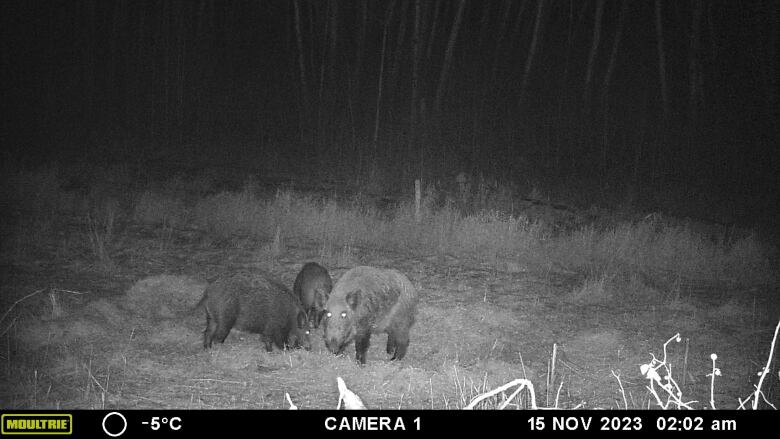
333 39
448 57
515 32
615 47
304 101
380 84
767 17
659 31
354 89
694 69
529 60
497 48
594 47
392 78
563 90
181 61
89 63
313 37
361 44
484 22
714 41
323 61
432 34
605 87
415 83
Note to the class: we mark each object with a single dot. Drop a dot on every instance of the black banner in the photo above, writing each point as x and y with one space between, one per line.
261 423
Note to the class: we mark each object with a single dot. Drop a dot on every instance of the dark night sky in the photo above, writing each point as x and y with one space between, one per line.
212 80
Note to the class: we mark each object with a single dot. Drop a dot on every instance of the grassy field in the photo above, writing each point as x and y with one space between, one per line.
99 268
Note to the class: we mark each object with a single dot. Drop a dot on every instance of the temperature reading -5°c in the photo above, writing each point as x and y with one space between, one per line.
157 422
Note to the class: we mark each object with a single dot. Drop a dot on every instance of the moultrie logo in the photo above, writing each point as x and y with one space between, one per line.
39 423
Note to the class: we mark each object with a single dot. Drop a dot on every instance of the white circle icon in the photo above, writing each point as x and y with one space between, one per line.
124 424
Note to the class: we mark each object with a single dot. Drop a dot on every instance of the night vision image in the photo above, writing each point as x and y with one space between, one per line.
389 204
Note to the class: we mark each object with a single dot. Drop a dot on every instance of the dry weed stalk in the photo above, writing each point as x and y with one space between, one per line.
522 383
763 373
666 383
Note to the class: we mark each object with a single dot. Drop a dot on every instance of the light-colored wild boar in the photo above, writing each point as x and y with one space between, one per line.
370 300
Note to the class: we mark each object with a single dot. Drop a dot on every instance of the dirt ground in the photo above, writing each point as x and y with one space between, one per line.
91 336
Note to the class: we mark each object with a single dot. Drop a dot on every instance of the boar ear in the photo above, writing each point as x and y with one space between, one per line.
353 299
303 320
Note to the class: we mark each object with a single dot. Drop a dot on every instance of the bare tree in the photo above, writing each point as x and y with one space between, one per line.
354 81
714 40
695 96
484 23
380 85
774 33
448 56
562 88
593 48
323 61
659 31
361 44
514 33
531 52
502 25
87 43
434 25
304 102
415 81
398 53
607 80
615 45
333 38
180 66
767 19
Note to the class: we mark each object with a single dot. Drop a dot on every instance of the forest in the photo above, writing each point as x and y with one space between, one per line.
632 100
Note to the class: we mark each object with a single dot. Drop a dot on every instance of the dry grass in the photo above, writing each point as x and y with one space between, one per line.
100 235
141 350
648 247
131 351
655 246
159 209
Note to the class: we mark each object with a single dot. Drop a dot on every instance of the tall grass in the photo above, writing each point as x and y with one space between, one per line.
339 224
482 231
101 224
159 209
651 246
